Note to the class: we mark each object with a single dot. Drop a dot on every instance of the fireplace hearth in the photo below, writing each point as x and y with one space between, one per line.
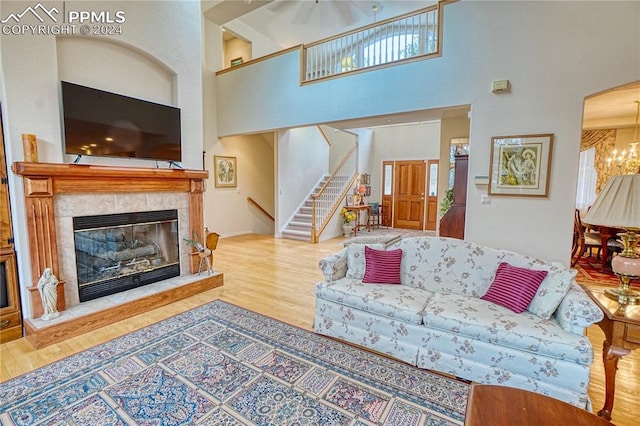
121 251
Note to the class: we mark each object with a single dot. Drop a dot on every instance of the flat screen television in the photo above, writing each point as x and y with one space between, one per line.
108 124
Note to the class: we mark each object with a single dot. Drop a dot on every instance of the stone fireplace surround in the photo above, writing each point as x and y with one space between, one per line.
55 193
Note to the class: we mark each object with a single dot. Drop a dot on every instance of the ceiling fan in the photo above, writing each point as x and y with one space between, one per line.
329 12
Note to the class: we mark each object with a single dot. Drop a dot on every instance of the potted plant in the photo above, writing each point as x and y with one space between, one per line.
446 202
347 217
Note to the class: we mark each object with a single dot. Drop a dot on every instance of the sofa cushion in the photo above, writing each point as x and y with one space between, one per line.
456 266
485 321
356 260
392 301
514 287
382 267
447 264
552 289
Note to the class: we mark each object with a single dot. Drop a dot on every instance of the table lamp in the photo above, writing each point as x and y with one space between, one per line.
618 206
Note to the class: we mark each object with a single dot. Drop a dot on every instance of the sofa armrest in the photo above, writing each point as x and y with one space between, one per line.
577 311
334 266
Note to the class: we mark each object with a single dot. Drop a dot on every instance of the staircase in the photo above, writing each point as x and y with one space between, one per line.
299 228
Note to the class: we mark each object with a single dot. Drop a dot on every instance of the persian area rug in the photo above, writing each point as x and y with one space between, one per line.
220 364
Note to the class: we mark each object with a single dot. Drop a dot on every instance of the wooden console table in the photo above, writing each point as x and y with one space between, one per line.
357 210
505 406
621 327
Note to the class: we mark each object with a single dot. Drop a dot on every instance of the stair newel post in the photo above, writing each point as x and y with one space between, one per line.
314 236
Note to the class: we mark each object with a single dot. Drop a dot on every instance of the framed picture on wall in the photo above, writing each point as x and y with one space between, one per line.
226 172
520 165
237 61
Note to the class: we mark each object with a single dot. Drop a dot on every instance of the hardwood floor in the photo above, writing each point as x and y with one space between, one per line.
276 277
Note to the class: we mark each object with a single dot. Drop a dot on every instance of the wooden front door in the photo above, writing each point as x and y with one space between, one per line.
408 211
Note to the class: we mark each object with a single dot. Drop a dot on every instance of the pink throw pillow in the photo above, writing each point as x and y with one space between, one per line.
382 267
514 287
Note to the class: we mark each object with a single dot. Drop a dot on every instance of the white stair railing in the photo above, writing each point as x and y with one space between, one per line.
327 200
396 39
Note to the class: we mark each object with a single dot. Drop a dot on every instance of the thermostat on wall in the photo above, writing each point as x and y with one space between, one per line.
481 180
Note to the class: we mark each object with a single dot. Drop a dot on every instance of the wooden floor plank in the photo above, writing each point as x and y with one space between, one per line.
276 277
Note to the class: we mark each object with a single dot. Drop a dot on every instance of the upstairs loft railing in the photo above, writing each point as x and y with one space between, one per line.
403 38
326 201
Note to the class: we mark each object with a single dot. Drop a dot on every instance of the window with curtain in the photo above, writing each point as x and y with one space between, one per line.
587 180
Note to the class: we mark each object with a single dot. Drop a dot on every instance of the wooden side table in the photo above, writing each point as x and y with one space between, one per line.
357 210
621 327
505 406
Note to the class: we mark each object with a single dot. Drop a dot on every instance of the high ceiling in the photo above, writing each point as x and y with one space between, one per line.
613 108
292 22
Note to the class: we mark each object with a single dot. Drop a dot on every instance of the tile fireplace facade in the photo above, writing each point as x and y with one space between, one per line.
68 206
55 193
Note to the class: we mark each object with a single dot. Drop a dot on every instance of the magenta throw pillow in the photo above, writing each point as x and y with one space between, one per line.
514 287
382 267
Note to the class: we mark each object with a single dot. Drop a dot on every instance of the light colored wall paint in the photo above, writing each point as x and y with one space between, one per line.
30 78
417 141
303 158
624 137
340 142
260 45
101 65
524 42
227 210
236 48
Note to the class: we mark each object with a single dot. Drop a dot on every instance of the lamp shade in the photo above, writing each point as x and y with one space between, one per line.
618 204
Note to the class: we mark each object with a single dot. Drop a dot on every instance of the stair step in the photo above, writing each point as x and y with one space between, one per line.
296 235
299 226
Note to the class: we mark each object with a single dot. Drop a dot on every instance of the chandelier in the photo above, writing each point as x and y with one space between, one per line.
627 162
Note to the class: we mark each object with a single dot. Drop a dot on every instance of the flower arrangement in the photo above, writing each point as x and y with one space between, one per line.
347 216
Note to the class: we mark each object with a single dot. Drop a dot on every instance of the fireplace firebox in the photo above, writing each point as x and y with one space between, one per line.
118 252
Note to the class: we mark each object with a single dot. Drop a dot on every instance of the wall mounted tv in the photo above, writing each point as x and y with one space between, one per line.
108 124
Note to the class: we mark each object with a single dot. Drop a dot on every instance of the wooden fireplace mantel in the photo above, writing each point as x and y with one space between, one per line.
76 178
43 181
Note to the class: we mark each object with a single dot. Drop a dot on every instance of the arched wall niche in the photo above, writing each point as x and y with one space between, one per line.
115 67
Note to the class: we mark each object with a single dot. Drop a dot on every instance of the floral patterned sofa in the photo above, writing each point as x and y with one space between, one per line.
436 319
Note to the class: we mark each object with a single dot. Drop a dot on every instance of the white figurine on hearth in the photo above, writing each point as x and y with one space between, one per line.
47 285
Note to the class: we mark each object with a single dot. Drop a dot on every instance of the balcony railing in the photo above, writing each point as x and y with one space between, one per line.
402 38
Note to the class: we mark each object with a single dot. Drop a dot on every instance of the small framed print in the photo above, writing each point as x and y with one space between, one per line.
226 172
520 165
237 61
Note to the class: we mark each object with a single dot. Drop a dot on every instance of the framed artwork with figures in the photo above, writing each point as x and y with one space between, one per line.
520 165
225 171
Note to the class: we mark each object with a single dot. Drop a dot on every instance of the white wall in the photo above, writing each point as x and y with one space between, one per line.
260 45
417 141
524 42
227 210
303 158
158 32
